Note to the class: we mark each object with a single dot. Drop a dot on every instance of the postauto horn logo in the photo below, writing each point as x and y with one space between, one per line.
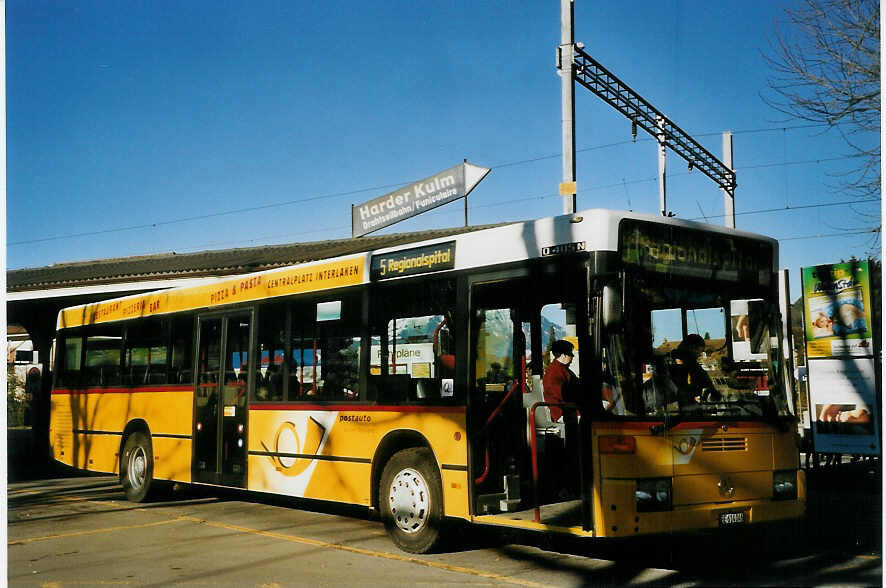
289 455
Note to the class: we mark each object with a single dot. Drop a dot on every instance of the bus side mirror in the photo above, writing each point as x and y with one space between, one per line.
611 307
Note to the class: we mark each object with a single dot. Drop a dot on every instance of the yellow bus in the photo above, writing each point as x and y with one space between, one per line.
410 380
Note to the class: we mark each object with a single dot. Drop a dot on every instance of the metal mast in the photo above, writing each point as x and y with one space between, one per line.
568 187
574 63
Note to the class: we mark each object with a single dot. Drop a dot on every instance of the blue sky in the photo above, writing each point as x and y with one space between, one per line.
147 127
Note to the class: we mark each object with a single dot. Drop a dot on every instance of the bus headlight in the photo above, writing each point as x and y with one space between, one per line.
784 485
653 494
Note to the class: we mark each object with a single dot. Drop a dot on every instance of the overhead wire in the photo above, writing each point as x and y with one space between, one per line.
529 199
872 230
623 183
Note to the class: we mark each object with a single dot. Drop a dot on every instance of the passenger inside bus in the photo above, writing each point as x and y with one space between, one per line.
693 383
560 383
274 382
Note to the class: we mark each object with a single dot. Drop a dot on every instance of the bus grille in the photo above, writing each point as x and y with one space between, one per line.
725 444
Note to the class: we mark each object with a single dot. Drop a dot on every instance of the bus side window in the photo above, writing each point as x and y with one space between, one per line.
270 353
182 349
324 361
71 349
236 369
144 362
495 350
104 347
340 367
412 354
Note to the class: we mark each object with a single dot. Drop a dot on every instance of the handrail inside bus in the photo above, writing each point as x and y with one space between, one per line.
515 384
533 443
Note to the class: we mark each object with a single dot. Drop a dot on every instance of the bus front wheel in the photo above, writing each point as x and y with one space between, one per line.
137 467
411 500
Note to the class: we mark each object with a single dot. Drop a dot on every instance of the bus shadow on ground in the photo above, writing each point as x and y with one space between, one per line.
750 558
843 522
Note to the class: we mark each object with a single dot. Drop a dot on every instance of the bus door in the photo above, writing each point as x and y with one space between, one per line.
222 388
514 322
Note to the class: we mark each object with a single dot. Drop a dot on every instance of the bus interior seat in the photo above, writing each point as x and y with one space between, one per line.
159 376
544 425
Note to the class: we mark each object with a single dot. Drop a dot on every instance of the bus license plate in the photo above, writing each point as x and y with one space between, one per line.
727 519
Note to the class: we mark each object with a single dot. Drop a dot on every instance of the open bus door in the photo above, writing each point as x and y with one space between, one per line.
535 473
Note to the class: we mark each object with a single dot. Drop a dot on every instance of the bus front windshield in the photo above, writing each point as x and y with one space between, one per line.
693 350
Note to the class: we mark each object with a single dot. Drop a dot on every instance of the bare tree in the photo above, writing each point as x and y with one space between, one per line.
826 69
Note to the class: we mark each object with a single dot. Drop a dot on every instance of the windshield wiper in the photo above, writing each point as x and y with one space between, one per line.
668 424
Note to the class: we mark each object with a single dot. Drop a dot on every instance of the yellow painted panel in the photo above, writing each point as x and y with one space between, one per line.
652 457
455 494
167 412
60 446
340 481
354 433
705 488
616 510
277 282
322 479
691 451
718 451
172 459
293 437
96 453
86 428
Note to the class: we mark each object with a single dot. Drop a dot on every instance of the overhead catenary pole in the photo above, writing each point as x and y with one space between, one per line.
466 199
565 54
662 167
728 191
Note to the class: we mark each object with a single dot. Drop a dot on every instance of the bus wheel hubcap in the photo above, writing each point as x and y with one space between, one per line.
409 500
137 466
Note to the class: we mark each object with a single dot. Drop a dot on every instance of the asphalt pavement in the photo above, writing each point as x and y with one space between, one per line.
66 528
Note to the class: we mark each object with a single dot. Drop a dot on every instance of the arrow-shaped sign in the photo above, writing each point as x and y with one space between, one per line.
427 194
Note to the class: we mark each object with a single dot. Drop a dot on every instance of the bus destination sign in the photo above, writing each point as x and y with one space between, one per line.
419 260
686 252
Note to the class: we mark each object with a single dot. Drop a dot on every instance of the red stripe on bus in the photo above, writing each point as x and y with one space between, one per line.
680 426
189 388
624 425
356 408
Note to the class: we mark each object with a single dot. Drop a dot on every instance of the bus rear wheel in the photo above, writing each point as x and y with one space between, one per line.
137 467
411 500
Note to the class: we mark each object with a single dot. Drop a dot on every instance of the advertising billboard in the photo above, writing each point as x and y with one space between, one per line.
838 327
843 400
837 305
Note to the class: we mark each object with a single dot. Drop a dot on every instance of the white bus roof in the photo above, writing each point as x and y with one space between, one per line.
588 230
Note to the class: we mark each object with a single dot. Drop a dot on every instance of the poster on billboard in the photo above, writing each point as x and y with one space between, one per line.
842 400
416 198
748 329
837 305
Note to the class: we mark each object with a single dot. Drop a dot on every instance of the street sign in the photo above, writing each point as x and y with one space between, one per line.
427 194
